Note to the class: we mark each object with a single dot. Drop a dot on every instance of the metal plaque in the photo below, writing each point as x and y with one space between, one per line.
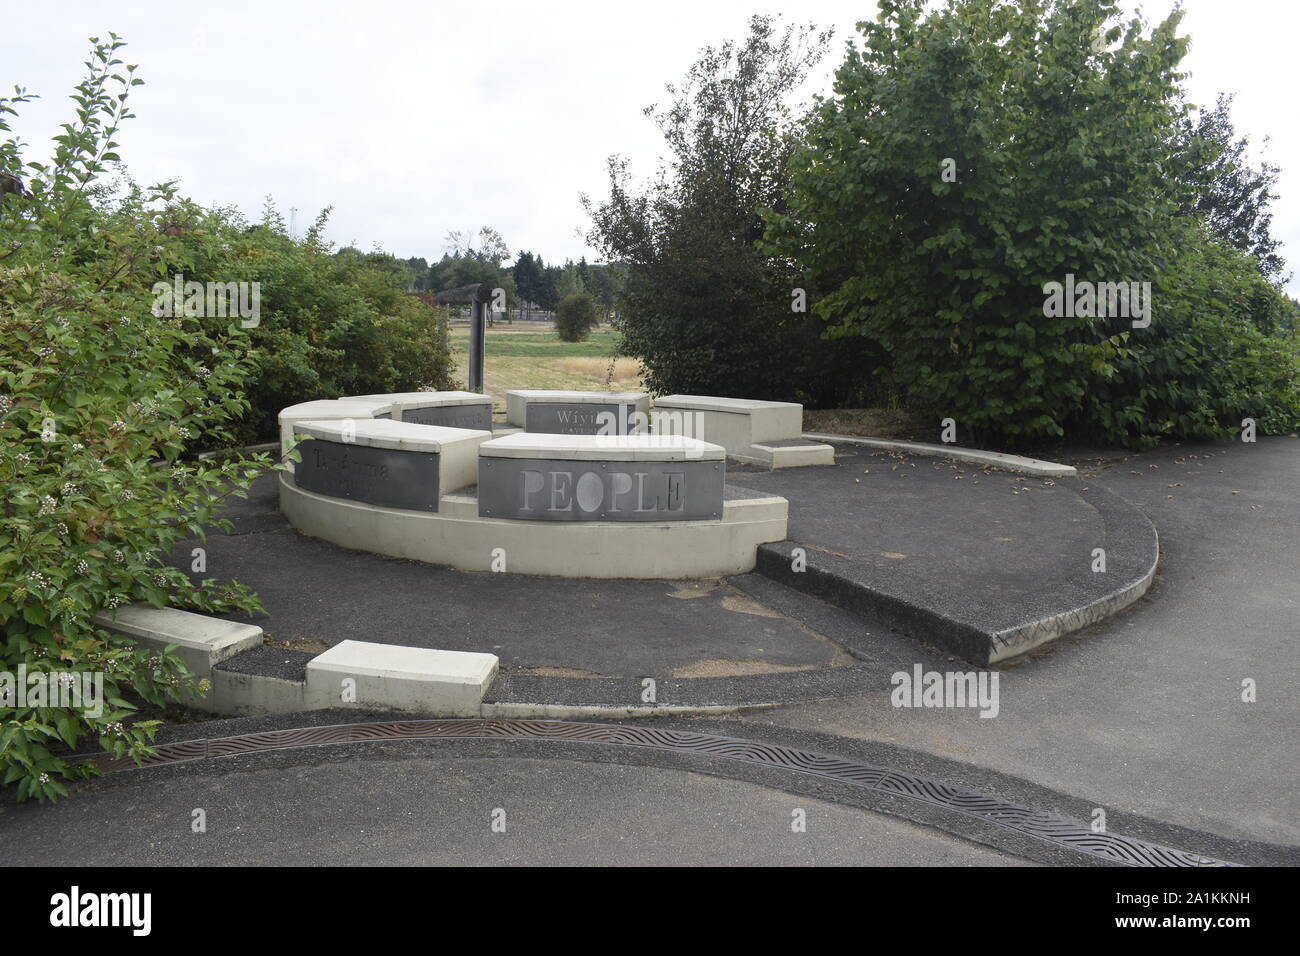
567 490
477 416
558 418
376 476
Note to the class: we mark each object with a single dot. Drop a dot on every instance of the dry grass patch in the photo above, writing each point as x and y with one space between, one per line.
627 371
870 423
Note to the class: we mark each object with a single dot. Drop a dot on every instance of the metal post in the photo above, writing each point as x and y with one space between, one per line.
477 332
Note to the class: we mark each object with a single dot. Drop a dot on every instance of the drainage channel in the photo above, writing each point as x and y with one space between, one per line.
1039 824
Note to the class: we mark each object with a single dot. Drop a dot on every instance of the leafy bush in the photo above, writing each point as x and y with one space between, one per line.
329 324
97 400
1218 351
575 316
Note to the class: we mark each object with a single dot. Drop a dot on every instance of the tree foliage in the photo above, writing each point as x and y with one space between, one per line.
702 306
974 154
1225 189
330 324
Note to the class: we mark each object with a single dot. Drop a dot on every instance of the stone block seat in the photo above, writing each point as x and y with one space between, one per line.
450 409
577 413
337 409
544 477
753 432
387 463
418 679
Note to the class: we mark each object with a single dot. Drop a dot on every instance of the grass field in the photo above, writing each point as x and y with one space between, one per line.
532 356
527 356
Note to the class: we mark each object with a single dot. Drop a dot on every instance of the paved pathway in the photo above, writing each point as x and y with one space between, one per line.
421 810
1144 711
1141 714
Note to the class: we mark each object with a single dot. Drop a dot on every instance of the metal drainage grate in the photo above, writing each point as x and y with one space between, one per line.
1035 823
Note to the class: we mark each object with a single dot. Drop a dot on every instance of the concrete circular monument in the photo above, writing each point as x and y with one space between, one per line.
375 476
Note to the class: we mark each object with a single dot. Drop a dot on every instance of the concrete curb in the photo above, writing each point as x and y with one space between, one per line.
250 678
252 684
995 630
975 456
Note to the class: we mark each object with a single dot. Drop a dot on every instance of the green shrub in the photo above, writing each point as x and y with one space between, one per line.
98 398
575 316
329 325
1218 351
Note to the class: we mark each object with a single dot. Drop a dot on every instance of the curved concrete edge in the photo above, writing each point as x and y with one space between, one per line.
457 537
975 456
1132 547
519 695
1133 552
523 711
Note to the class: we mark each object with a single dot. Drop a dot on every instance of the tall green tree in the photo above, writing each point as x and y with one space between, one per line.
703 307
1224 188
971 155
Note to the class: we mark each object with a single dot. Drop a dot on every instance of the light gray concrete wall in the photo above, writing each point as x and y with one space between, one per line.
455 535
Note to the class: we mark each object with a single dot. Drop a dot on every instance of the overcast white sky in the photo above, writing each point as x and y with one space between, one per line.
357 105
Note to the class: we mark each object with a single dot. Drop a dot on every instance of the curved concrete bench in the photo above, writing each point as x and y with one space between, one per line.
457 536
448 409
337 409
577 413
545 477
752 431
388 463
609 499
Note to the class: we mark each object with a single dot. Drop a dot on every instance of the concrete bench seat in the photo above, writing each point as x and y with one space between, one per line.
417 679
449 409
326 409
752 431
601 478
577 413
201 641
387 463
